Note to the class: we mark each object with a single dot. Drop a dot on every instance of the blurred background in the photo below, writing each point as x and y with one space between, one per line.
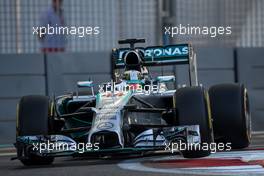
26 69
125 19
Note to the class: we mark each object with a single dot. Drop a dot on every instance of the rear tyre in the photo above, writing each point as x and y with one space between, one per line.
33 119
193 108
231 114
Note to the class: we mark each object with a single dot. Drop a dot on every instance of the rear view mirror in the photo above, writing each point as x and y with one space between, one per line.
82 84
85 84
170 78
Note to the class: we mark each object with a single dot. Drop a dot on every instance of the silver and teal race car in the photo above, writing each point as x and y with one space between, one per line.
135 112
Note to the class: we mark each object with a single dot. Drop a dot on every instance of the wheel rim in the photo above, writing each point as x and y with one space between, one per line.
247 114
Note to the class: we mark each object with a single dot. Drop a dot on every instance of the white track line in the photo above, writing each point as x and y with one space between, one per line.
248 170
245 156
257 132
8 154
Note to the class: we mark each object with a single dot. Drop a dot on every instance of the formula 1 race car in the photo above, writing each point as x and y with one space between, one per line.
135 112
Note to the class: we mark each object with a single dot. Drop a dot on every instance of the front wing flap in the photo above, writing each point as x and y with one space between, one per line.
149 140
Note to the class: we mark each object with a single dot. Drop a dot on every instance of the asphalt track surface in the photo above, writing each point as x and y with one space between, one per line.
245 162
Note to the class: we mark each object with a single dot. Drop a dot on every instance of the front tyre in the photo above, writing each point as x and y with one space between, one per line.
193 108
33 118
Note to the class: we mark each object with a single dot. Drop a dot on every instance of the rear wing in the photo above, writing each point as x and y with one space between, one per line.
156 55
159 56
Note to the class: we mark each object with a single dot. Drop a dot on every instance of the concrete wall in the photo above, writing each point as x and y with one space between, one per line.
64 70
58 73
251 72
215 65
19 75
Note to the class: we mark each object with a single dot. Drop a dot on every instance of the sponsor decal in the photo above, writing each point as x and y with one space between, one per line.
170 51
105 126
159 53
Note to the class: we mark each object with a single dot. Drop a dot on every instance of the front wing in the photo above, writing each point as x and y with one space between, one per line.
147 141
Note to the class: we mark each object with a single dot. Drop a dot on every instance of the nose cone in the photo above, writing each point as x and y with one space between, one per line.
106 139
